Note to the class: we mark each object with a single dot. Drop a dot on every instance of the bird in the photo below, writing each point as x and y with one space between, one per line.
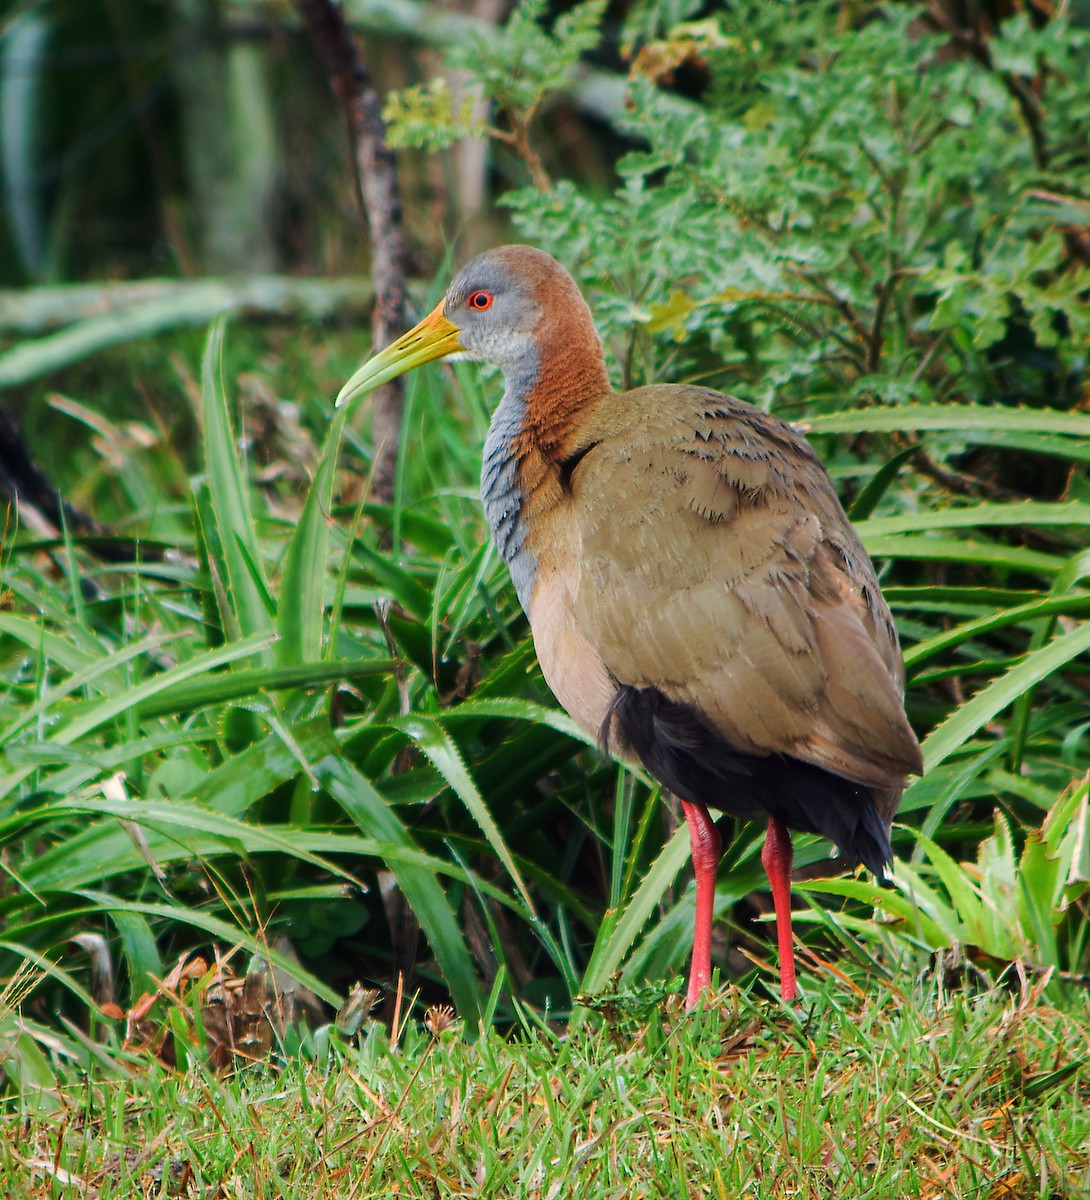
698 599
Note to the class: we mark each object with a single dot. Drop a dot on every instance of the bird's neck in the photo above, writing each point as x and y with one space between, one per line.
564 386
533 432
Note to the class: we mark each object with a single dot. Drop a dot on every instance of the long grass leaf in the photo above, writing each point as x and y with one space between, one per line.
222 687
100 711
518 710
928 648
445 756
90 673
362 802
226 932
236 545
960 550
988 418
620 930
1076 569
1032 513
302 595
53 646
972 716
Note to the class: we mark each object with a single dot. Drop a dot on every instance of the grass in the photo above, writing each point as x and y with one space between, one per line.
940 1094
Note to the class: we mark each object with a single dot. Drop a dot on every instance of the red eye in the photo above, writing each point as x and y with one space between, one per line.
479 300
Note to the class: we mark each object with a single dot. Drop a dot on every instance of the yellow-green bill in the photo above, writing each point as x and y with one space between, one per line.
434 337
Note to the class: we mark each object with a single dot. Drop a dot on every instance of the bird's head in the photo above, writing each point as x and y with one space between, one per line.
505 307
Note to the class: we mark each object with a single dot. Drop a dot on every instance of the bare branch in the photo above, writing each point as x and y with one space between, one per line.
376 174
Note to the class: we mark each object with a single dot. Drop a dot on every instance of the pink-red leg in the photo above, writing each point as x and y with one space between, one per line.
776 860
706 846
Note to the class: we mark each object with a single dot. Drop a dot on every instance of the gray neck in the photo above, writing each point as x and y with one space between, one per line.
501 491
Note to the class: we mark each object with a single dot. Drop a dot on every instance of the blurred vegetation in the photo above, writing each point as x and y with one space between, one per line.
286 720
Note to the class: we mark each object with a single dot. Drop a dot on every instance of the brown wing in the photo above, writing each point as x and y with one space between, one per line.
703 552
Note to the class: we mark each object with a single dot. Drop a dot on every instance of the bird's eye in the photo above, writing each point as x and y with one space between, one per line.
479 300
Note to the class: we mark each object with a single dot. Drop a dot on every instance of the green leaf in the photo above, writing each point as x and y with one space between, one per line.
102 672
620 929
228 933
218 688
963 897
879 483
145 967
302 595
365 806
438 745
934 921
967 720
975 516
35 636
85 718
965 551
928 648
988 418
518 710
235 550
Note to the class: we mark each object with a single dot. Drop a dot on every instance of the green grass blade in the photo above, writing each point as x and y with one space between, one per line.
87 718
964 551
988 418
972 716
96 672
964 898
879 483
939 643
223 930
1075 571
222 687
1032 513
170 818
302 593
620 930
445 756
366 807
236 543
99 712
518 710
55 648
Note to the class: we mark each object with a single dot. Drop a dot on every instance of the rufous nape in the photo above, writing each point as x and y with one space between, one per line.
698 598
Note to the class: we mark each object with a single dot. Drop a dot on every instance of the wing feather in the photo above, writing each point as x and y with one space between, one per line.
704 553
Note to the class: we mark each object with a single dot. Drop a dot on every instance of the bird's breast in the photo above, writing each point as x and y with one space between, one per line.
529 506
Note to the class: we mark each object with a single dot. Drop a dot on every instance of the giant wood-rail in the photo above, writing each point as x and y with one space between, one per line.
698 599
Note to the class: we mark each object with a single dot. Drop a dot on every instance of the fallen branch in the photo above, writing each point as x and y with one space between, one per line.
107 314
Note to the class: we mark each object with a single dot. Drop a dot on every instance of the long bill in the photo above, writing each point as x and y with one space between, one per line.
434 337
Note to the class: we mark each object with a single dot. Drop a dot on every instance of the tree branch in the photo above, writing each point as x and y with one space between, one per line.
376 173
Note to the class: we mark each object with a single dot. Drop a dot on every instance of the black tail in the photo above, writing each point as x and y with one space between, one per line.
694 762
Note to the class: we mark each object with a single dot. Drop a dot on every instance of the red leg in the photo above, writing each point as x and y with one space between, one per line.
706 845
776 860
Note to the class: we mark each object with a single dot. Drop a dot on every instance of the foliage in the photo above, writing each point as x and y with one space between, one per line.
174 713
517 69
1008 908
281 707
